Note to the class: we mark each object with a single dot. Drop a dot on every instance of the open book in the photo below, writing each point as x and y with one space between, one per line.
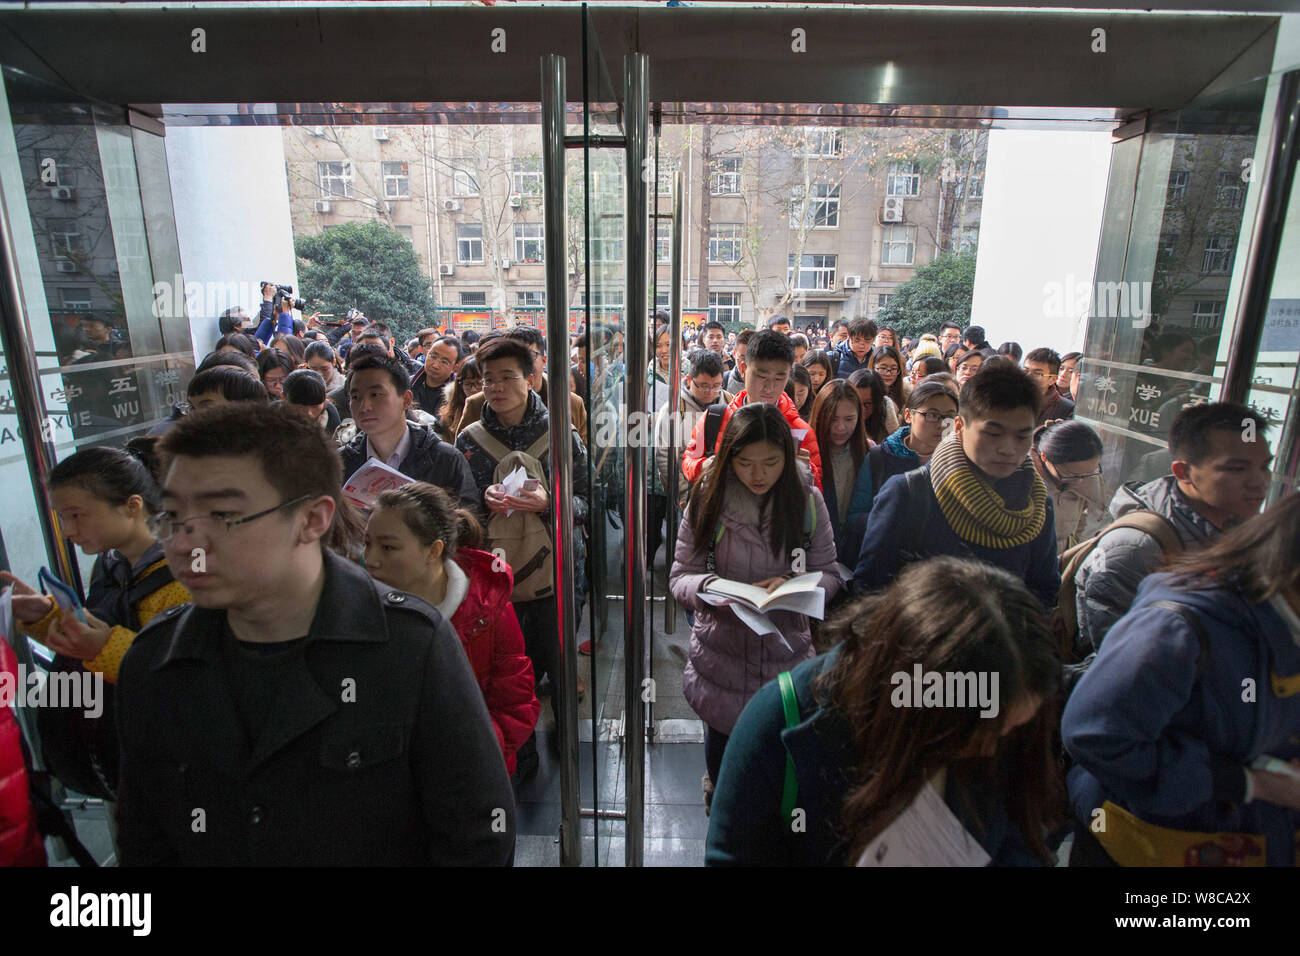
369 481
802 595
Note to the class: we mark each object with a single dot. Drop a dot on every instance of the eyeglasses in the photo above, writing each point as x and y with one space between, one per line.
1067 479
1040 375
164 526
886 369
935 418
500 382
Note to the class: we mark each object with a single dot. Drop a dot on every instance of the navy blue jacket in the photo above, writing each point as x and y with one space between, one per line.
1166 735
848 361
745 824
894 538
848 533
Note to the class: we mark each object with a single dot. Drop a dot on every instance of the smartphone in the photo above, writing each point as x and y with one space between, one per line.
531 484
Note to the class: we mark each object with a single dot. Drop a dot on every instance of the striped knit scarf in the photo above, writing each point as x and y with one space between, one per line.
975 510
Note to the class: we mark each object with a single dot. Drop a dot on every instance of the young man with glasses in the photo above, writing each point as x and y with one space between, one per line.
949 334
535 341
514 418
1044 366
770 357
442 357
379 396
297 713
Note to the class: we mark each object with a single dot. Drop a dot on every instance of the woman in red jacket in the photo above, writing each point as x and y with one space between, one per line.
21 843
418 542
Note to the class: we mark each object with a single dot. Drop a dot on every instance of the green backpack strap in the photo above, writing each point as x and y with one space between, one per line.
790 704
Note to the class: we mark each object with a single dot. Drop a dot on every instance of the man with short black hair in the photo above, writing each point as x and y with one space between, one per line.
1220 477
379 395
1063 379
855 352
535 342
767 370
327 720
949 335
978 496
1044 366
443 355
734 381
779 324
973 338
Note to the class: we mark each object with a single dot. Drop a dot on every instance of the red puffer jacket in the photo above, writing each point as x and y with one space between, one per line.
494 645
21 843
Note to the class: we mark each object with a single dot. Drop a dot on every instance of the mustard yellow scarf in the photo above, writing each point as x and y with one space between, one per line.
975 510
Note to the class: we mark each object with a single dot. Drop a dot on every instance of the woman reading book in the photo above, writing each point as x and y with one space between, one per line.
757 518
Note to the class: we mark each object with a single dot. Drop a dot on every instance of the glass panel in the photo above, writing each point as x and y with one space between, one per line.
600 292
1157 333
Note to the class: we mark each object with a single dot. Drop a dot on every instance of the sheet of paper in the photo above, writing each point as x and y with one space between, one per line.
369 481
799 434
844 571
926 833
761 625
513 483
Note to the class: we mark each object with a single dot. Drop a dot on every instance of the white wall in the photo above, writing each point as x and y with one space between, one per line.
1043 198
232 217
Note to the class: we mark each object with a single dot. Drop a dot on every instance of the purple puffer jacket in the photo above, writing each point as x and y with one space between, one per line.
728 662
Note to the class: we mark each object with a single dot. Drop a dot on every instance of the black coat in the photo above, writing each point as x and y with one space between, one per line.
407 773
428 397
429 459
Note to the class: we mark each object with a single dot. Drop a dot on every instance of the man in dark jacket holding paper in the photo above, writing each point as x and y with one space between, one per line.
379 395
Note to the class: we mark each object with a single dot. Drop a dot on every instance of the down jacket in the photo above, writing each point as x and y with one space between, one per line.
728 662
1108 579
478 604
1159 725
21 843
696 454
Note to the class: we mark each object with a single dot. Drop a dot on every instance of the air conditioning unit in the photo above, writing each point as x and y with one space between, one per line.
893 211
446 270
66 266
381 134
323 205
450 205
61 192
506 263
516 201
853 282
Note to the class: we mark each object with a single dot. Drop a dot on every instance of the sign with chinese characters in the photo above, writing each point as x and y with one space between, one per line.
1281 326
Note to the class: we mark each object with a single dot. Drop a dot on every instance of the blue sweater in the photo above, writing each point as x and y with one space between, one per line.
1165 735
745 824
894 538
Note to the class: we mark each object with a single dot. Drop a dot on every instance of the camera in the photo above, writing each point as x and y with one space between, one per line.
284 293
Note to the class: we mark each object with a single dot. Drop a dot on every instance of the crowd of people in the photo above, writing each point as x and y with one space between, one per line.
361 684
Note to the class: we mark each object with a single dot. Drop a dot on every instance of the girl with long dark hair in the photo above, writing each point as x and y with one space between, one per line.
837 420
752 517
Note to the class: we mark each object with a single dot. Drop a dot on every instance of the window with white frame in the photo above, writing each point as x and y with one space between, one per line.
397 180
824 210
967 240
526 176
65 238
816 273
663 241
529 245
663 300
724 307
821 142
725 242
407 233
530 300
608 246
1208 314
882 299
1230 190
664 176
724 176
473 298
1167 245
463 183
335 178
904 179
1217 259
601 298
75 299
469 243
1178 179
898 246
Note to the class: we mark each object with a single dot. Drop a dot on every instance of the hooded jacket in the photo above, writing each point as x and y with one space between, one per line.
428 459
21 843
1108 579
848 362
1165 734
727 662
695 455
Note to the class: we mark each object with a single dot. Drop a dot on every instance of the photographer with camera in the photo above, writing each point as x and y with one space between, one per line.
278 304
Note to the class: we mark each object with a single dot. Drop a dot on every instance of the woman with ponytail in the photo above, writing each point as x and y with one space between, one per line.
104 498
419 542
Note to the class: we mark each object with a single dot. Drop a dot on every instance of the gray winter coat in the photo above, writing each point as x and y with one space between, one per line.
728 662
1108 579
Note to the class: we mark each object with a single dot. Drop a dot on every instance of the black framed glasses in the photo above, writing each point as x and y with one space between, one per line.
935 418
164 526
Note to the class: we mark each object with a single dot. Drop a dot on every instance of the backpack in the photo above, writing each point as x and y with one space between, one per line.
522 536
82 751
1065 616
712 425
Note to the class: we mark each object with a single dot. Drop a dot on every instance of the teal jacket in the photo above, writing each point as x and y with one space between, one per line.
745 823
